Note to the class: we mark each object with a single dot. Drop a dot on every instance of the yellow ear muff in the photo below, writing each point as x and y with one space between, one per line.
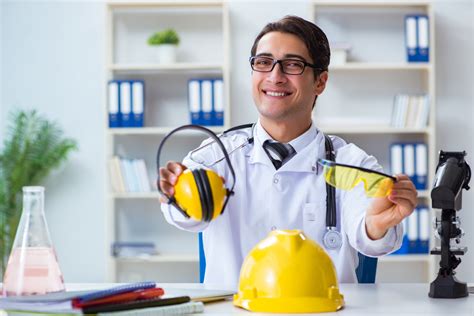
194 195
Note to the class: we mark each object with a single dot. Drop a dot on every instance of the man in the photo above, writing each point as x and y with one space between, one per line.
290 60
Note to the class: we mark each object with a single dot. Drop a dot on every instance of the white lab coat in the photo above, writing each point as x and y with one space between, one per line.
293 197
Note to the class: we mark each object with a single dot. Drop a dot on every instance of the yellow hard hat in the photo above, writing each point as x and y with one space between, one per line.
200 193
288 273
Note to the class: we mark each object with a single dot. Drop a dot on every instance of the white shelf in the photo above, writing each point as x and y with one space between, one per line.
376 130
136 195
381 66
160 259
156 130
162 3
374 3
185 67
424 258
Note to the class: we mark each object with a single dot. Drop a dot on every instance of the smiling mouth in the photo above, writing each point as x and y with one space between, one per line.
276 94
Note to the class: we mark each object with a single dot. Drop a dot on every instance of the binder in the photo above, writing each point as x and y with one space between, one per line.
411 38
114 104
206 102
396 158
138 103
409 161
404 247
218 102
424 224
412 233
423 39
421 169
194 100
126 104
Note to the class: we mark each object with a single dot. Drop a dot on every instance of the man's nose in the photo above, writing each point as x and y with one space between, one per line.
277 75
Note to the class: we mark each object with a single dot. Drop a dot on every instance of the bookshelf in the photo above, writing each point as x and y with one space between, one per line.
358 101
203 27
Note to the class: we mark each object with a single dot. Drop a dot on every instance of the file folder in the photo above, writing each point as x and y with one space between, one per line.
412 233
411 38
396 158
409 161
423 38
114 104
424 234
138 102
194 100
206 102
126 104
421 169
218 102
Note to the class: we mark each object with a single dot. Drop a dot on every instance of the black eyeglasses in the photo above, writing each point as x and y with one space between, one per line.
288 66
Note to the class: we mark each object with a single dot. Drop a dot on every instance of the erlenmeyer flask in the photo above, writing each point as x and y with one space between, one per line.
32 267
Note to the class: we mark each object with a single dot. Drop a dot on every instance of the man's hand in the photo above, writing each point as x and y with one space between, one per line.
169 177
387 212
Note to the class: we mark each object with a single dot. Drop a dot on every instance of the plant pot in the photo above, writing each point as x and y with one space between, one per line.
166 53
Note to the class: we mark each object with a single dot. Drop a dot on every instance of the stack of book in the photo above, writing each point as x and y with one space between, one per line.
142 298
410 111
129 175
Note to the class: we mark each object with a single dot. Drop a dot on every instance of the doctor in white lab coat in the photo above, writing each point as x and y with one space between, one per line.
289 72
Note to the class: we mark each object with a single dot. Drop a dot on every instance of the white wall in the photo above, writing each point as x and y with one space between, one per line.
455 113
53 61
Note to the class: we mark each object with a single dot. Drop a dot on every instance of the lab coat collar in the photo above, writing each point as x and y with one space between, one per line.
306 145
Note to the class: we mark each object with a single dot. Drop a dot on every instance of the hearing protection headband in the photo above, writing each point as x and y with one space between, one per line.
172 200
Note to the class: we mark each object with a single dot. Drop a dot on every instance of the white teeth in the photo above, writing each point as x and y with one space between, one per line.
276 94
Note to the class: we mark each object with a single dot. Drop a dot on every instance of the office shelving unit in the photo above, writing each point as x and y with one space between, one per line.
359 96
203 27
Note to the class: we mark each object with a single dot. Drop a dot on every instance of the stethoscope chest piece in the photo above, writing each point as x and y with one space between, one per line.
332 239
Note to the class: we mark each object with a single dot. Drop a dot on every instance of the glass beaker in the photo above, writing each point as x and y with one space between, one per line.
33 267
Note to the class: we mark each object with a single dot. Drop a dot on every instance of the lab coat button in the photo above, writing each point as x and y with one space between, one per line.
275 180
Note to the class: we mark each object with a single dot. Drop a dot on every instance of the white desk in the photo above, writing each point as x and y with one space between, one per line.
361 299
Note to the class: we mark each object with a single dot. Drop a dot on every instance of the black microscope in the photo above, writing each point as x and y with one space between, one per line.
452 176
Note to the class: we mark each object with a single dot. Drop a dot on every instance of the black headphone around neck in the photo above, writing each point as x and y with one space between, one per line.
201 185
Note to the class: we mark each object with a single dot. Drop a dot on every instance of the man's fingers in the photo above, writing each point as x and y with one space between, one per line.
175 167
167 188
168 176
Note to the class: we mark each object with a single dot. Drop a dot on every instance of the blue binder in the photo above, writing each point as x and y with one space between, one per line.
218 101
421 166
114 104
423 49
126 103
206 101
424 229
411 41
138 102
194 100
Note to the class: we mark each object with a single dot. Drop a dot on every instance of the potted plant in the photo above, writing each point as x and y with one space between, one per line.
33 147
166 42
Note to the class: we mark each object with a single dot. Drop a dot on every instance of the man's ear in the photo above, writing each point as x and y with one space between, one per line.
320 83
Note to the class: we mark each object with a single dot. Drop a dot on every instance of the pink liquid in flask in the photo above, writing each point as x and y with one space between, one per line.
32 270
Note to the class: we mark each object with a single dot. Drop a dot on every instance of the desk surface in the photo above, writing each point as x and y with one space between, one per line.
361 299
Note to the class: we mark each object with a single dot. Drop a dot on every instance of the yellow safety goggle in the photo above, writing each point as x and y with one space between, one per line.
346 177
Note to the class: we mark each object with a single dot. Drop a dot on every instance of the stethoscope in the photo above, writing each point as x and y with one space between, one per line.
332 238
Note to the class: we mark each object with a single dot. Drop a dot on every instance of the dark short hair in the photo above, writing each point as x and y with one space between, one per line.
312 36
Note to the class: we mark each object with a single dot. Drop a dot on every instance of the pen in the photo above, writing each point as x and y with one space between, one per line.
123 297
126 288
